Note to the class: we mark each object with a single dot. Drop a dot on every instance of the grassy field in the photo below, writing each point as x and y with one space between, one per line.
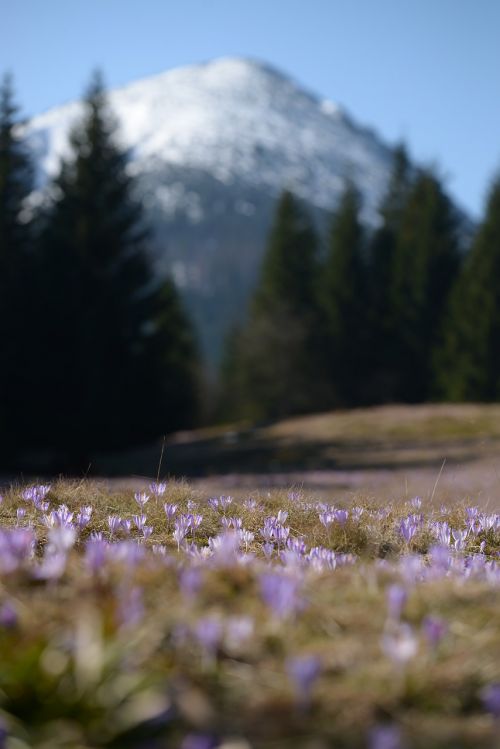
384 453
171 618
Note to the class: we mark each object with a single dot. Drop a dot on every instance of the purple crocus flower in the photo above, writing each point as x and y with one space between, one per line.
159 549
434 629
239 629
61 538
139 521
170 510
440 558
190 581
268 531
396 600
53 566
297 545
83 517
126 526
180 532
208 631
471 512
281 593
4 734
489 522
224 548
199 741
8 617
16 546
20 514
36 494
341 516
326 518
460 538
356 513
114 524
490 696
320 558
141 498
443 533
225 502
268 549
282 533
130 606
408 528
412 568
158 488
95 554
303 672
195 521
246 537
400 644
281 517
385 737
61 516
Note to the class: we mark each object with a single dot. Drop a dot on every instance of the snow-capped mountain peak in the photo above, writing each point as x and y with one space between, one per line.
212 146
234 118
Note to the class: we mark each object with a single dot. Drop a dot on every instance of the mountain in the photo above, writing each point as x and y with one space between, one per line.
212 146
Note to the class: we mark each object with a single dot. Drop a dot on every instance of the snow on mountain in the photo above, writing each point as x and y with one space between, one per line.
236 119
212 146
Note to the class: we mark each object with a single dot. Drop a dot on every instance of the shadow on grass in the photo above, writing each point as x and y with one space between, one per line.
253 453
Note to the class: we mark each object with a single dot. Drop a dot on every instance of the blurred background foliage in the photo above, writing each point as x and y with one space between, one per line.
98 354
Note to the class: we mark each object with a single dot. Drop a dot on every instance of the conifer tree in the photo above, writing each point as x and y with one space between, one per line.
229 388
383 352
467 363
277 363
15 178
15 245
120 350
344 301
289 268
426 261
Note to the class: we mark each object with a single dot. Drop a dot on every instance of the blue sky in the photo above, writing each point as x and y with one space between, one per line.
423 70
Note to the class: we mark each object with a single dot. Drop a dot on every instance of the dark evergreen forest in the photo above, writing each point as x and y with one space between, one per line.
98 353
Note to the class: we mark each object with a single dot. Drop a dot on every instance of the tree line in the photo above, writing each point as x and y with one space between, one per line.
408 312
97 352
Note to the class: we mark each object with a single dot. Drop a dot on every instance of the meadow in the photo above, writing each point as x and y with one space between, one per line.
167 617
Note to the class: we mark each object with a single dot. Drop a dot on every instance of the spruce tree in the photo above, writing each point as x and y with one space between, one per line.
344 302
120 350
398 188
278 362
16 181
467 361
383 352
16 184
426 261
289 268
229 389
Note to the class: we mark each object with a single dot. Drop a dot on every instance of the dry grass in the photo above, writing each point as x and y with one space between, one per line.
386 453
112 657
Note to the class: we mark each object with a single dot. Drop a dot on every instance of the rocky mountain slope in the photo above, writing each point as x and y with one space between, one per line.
212 146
